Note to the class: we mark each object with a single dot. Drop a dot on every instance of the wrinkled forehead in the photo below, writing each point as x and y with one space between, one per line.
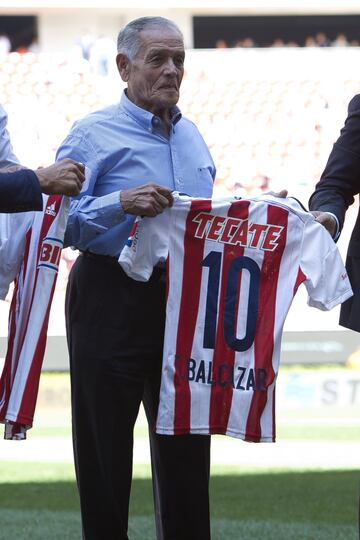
162 39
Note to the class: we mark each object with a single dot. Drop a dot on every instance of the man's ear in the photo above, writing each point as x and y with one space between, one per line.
123 66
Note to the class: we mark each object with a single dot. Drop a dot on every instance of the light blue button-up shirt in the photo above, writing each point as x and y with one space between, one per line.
124 146
7 156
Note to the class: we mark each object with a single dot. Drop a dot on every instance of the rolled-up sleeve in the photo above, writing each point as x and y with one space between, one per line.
89 216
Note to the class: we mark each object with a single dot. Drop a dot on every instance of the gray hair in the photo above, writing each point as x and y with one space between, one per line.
128 41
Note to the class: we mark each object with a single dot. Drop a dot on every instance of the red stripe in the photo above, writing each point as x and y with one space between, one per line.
224 356
18 295
191 286
12 356
6 379
28 402
300 278
47 221
264 339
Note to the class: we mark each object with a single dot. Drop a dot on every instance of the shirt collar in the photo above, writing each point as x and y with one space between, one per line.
147 119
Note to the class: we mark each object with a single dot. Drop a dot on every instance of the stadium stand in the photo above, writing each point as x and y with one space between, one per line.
263 131
269 116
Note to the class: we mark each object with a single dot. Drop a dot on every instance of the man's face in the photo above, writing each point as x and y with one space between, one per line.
154 76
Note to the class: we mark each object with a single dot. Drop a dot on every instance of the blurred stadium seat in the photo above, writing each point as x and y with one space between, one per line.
266 128
269 116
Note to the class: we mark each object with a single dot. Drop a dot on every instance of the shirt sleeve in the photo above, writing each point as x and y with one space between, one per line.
89 216
13 229
326 279
7 156
337 229
148 245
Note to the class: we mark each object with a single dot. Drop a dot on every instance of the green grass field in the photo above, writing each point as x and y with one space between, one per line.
38 500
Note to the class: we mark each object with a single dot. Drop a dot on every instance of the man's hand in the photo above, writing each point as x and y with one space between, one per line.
327 220
281 194
12 168
146 200
64 177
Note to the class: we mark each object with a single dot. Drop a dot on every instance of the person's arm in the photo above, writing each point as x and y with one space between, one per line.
20 191
91 216
340 180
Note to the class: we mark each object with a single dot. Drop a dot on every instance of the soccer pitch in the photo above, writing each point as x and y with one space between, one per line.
303 487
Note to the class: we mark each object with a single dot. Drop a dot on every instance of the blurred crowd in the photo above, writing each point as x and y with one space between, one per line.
264 132
98 51
260 131
320 39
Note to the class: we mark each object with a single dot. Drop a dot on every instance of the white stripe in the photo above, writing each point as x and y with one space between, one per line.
241 402
200 391
166 413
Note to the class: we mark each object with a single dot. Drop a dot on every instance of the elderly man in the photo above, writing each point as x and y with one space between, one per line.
136 153
20 188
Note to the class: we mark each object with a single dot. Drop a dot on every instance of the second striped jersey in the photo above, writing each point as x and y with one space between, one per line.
30 250
234 267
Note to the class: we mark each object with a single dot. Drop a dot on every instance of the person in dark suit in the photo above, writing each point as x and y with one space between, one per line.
333 194
20 190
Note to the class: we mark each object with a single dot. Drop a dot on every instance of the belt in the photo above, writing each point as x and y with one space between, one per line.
160 268
107 259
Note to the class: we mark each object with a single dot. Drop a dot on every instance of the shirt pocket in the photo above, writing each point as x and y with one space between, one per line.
205 182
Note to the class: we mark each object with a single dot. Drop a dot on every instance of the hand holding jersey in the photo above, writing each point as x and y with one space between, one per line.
327 220
64 177
146 200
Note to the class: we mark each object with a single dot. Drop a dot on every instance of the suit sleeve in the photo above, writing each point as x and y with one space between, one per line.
340 180
20 191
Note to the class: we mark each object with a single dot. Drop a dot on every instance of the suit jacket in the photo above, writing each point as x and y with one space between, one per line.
19 191
335 192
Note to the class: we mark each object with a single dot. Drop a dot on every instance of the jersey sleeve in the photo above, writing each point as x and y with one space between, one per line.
326 279
13 229
147 245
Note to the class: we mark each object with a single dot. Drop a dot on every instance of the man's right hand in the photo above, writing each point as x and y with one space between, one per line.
64 177
327 220
146 200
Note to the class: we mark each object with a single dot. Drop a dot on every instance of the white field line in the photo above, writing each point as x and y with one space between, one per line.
225 451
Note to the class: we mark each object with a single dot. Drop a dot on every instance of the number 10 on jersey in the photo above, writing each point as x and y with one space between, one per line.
231 281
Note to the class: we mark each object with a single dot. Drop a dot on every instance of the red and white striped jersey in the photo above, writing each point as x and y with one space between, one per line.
30 250
234 267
